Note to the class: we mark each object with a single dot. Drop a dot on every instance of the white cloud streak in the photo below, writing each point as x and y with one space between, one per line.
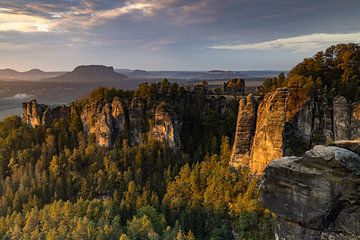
311 42
85 16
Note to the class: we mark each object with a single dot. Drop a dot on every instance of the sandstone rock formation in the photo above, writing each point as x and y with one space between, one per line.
245 130
268 139
355 121
234 86
97 120
342 118
166 126
137 123
119 118
41 115
315 196
118 112
289 121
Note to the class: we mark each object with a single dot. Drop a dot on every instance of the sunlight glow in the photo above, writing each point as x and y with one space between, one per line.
23 23
309 42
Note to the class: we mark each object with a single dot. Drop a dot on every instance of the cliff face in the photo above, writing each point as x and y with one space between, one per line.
137 112
98 120
288 122
245 130
268 139
342 118
166 126
36 114
315 196
355 121
128 118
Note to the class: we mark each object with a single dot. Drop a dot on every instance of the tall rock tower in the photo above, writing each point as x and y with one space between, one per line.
245 130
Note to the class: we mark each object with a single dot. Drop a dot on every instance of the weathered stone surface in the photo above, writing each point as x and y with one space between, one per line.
355 121
316 196
41 115
234 86
119 114
342 118
137 120
166 126
245 130
352 145
97 120
268 139
109 121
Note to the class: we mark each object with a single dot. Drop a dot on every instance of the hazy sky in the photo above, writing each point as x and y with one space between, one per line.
172 34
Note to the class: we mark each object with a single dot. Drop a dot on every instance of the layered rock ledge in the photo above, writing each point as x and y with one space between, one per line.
316 196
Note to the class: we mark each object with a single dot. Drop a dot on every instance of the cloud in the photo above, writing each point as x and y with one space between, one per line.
22 23
309 42
33 16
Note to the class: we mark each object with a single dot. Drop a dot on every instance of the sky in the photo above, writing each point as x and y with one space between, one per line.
172 34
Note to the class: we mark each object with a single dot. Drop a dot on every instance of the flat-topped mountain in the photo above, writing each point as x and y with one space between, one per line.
89 73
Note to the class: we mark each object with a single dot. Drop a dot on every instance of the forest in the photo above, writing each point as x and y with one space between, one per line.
334 71
57 183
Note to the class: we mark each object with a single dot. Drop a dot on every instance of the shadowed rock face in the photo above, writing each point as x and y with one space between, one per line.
316 196
245 130
355 121
342 118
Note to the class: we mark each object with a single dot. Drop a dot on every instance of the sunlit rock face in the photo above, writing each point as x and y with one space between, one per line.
315 196
106 122
245 130
36 114
290 121
268 139
97 120
33 113
166 126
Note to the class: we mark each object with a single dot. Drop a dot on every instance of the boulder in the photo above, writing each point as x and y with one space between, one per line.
316 196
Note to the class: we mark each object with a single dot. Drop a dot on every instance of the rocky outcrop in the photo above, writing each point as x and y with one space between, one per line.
119 113
118 119
234 86
268 139
36 114
137 112
245 130
315 196
342 118
355 121
166 126
289 121
97 119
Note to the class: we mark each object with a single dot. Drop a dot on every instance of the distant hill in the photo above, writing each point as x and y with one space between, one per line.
31 75
89 73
